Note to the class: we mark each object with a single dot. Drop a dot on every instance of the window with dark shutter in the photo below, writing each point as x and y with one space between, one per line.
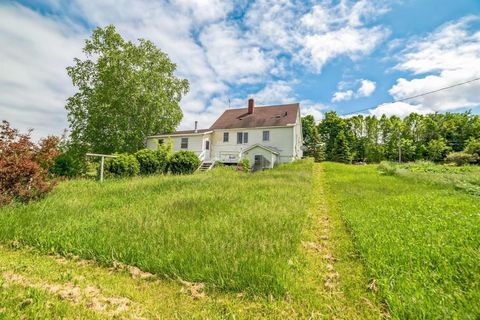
266 135
225 137
245 137
239 137
184 144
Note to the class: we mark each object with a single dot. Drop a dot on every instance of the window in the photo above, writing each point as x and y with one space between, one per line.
242 137
266 135
225 137
184 144
160 142
207 145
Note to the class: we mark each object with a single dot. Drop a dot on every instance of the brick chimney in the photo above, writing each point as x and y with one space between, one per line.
196 124
251 106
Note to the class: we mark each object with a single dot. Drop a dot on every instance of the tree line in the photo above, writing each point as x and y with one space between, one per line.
435 137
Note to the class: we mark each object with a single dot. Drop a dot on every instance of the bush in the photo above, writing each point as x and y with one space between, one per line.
24 165
163 156
183 162
473 146
244 164
68 165
148 161
386 168
125 165
461 158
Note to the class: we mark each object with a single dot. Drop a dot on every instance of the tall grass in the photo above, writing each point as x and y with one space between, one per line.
232 230
420 241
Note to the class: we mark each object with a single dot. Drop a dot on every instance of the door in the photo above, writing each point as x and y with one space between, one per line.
207 149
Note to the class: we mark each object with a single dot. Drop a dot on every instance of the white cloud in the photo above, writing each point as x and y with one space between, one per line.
367 87
280 92
232 56
340 30
448 56
342 96
34 84
400 109
308 107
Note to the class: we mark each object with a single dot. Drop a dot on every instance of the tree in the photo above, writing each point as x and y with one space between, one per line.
341 149
329 129
126 92
311 139
437 150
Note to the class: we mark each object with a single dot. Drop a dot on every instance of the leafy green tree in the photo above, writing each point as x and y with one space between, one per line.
329 130
437 150
311 139
126 91
342 149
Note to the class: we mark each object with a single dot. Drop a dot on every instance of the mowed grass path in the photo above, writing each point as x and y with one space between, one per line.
419 241
231 230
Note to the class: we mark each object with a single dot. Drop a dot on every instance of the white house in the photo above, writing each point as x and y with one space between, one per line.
265 135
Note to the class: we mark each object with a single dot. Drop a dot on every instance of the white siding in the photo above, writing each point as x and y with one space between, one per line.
196 143
250 155
298 138
280 138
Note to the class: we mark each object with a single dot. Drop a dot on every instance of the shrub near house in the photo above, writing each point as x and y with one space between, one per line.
184 162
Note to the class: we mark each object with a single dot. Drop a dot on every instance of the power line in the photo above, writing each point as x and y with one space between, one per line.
417 96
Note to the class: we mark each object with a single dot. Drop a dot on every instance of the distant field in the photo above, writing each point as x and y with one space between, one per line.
229 229
418 234
465 178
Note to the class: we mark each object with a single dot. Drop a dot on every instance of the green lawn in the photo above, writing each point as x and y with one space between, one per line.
419 239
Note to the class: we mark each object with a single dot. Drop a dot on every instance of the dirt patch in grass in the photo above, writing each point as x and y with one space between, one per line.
90 297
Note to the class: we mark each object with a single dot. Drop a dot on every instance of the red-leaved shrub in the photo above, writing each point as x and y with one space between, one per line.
24 165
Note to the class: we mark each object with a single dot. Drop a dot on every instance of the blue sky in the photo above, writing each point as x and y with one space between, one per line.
327 55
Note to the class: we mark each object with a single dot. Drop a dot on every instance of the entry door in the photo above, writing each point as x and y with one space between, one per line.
207 149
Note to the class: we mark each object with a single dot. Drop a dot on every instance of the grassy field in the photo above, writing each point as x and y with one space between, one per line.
465 178
418 235
231 230
264 246
301 241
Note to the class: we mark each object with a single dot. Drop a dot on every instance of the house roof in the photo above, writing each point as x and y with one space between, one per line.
267 116
183 132
270 149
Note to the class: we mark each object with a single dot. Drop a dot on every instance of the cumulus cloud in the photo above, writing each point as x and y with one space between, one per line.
365 89
312 108
223 45
342 96
340 30
448 56
400 109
